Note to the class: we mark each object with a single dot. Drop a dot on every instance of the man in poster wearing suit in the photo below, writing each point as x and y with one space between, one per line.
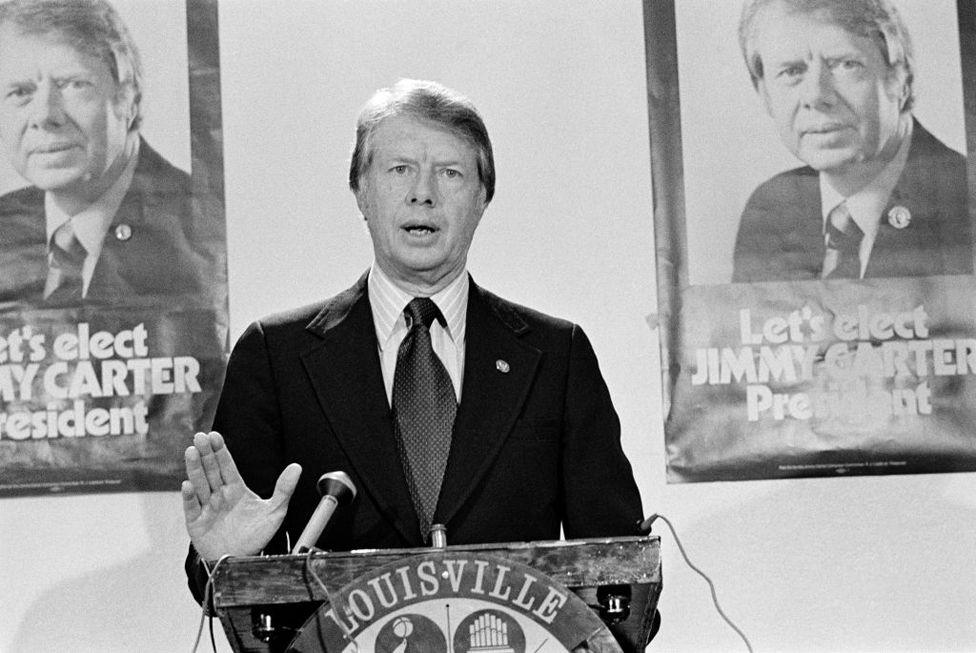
879 196
516 435
106 219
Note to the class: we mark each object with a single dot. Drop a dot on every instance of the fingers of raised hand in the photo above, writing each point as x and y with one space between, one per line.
225 462
202 469
286 484
207 445
191 504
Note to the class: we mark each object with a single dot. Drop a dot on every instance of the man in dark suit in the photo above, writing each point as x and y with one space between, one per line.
880 196
532 445
107 220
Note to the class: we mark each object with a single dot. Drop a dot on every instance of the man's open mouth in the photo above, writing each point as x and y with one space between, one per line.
420 229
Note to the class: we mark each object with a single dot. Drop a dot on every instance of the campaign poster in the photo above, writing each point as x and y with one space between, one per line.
813 209
113 266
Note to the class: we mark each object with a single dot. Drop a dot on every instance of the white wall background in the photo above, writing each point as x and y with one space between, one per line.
855 564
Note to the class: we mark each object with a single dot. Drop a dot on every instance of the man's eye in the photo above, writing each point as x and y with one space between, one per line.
399 170
18 95
791 72
848 64
451 173
74 84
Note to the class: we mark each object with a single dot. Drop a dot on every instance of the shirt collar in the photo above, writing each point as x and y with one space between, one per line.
868 204
387 301
92 222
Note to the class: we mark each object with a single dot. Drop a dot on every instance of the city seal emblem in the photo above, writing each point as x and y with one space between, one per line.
453 602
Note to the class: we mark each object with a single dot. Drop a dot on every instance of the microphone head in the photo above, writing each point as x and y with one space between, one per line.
338 485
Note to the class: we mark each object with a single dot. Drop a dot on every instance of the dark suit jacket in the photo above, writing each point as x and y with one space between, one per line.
533 448
781 231
155 250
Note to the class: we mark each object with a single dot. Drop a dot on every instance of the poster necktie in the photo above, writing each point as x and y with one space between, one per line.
843 258
65 261
424 406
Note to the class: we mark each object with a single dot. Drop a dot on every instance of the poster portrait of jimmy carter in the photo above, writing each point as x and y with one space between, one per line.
106 220
879 195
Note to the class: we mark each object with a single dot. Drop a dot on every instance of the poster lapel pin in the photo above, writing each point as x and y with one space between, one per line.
899 217
123 232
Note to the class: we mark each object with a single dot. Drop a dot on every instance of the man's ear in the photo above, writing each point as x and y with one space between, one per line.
764 94
904 90
127 106
361 201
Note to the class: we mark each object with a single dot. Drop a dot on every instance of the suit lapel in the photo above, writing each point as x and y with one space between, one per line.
23 243
346 376
152 212
811 246
109 277
897 250
891 244
498 372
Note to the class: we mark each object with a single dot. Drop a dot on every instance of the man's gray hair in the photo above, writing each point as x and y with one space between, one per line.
874 19
427 101
91 27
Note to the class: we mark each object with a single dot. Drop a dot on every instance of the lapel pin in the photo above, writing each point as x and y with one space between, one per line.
123 232
899 217
502 366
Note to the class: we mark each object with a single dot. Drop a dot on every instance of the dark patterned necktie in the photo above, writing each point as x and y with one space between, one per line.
843 257
424 406
67 256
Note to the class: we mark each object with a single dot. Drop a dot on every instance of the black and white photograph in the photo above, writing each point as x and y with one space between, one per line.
113 267
93 212
527 327
892 132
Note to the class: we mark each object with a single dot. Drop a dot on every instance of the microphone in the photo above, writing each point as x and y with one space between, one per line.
337 489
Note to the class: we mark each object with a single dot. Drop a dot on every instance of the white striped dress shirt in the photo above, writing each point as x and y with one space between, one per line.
387 302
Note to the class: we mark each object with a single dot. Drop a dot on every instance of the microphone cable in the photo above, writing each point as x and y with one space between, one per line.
205 606
645 527
309 570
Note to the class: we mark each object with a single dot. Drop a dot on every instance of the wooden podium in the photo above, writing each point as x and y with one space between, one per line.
491 597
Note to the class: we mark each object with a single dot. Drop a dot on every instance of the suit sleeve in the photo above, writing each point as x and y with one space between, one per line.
248 417
748 242
600 495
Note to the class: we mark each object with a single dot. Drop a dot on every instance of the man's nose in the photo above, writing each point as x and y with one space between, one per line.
47 106
817 88
424 189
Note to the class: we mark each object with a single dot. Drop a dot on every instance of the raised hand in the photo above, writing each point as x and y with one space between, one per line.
223 516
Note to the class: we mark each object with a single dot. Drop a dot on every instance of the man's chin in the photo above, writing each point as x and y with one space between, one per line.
831 162
59 180
427 273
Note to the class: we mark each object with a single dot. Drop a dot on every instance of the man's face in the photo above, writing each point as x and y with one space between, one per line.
422 199
835 102
60 124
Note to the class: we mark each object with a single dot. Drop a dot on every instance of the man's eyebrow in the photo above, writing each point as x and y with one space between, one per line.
13 84
785 54
399 158
454 163
845 53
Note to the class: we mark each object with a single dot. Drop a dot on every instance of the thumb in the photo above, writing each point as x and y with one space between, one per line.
286 484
